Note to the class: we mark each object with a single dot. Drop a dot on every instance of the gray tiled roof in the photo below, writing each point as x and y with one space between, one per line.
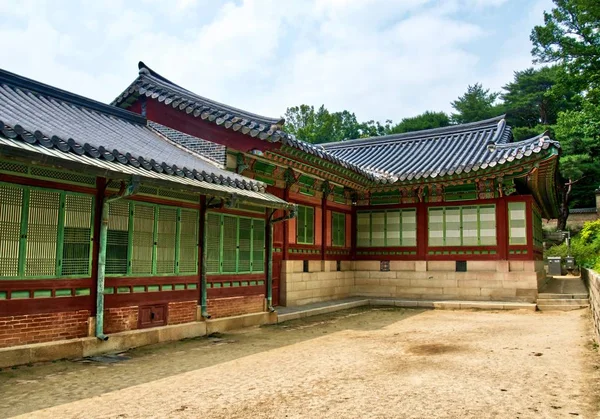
40 115
582 211
153 85
441 151
213 151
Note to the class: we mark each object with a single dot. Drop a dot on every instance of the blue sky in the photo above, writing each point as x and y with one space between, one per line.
382 59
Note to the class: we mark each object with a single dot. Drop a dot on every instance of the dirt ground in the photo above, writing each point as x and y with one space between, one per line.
367 363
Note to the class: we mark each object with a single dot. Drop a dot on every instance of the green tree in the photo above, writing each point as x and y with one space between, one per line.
579 136
321 126
536 96
426 120
375 128
570 36
476 104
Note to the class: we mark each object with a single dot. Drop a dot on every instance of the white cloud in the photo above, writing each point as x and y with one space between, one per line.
378 58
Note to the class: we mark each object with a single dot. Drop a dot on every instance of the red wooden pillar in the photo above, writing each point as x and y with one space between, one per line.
323 226
353 236
502 229
422 229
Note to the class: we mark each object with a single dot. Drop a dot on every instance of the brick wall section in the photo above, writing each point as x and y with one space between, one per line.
182 312
37 328
235 306
593 282
120 319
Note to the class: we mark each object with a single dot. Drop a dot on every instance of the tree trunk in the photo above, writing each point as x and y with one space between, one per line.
564 207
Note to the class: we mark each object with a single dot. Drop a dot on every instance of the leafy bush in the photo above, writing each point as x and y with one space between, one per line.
585 247
590 245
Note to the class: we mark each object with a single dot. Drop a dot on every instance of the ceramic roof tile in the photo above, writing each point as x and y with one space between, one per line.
153 85
40 115
441 151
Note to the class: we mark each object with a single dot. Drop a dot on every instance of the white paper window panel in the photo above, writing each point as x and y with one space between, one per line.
517 214
452 217
452 233
408 242
377 219
363 239
487 232
393 222
409 235
409 221
435 233
517 232
470 233
487 217
469 217
452 226
436 229
436 219
363 219
488 241
453 241
393 234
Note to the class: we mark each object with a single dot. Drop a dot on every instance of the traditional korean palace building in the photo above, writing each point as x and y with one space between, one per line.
167 208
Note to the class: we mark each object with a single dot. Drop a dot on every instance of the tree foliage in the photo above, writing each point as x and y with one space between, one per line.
476 104
570 36
536 96
426 120
323 126
579 134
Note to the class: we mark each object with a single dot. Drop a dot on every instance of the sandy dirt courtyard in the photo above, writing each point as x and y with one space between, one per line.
361 363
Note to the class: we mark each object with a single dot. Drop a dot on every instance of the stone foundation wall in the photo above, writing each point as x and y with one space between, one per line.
322 282
593 282
421 280
438 280
37 328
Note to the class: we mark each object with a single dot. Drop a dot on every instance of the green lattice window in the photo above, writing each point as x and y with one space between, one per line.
338 229
234 244
387 228
148 239
305 225
473 225
44 233
517 223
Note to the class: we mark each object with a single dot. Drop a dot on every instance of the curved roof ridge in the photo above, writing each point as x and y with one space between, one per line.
543 137
413 135
145 70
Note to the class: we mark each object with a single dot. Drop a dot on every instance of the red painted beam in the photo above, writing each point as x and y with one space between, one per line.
195 126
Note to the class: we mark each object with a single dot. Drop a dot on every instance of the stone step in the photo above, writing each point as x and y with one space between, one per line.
559 307
552 296
570 302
